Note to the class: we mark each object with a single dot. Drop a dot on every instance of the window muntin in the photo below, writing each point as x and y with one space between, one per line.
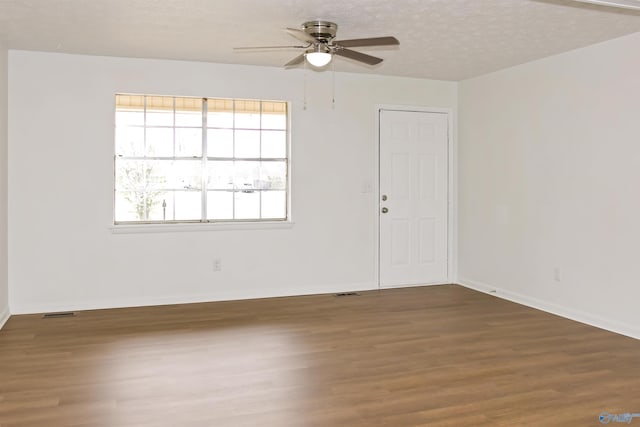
182 159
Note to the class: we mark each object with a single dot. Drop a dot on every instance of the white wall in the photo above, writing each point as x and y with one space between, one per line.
549 172
62 252
4 287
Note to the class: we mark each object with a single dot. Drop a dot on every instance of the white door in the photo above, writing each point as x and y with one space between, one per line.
413 197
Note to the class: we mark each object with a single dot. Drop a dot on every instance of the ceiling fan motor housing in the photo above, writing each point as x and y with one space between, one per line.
323 31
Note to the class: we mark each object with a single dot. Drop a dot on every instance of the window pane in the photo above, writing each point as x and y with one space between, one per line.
188 111
273 175
160 142
247 143
125 208
220 175
247 205
147 175
247 114
246 175
220 113
133 175
188 205
274 204
130 141
138 205
159 110
130 118
175 174
189 118
160 118
274 121
247 121
219 205
157 174
220 120
188 142
274 144
220 143
163 206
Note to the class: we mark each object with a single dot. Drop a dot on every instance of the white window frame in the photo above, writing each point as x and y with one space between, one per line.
204 223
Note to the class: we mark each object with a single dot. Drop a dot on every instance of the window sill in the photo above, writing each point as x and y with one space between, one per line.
188 227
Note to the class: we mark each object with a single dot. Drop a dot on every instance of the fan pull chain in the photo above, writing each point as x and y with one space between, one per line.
304 87
333 85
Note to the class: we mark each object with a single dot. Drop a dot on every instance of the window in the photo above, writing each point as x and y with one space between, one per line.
180 159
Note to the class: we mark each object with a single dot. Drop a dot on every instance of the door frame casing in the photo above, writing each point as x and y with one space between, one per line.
452 188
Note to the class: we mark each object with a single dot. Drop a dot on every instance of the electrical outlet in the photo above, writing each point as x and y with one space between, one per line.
557 274
217 264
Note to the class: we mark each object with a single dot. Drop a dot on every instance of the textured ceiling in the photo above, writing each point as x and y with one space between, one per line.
440 39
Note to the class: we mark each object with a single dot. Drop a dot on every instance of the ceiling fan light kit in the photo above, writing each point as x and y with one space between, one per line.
319 56
625 4
318 59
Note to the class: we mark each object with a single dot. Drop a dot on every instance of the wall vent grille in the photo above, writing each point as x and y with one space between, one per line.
60 314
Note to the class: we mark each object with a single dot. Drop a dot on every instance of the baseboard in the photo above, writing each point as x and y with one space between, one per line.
566 312
4 316
145 301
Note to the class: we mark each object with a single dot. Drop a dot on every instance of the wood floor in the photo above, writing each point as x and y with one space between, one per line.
431 356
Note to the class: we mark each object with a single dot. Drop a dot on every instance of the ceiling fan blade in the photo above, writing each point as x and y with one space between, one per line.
625 4
358 56
295 61
373 41
300 35
269 47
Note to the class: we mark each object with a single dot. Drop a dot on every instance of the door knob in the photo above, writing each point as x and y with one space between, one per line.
385 210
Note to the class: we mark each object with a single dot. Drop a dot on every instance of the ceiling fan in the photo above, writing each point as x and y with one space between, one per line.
320 46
